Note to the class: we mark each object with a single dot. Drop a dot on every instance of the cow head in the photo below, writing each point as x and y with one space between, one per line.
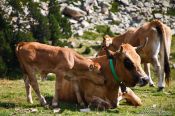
128 66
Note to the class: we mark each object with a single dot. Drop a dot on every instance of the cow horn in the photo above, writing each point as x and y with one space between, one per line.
121 49
142 46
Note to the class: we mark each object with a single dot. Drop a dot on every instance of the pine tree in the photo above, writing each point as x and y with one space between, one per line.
55 30
64 24
40 23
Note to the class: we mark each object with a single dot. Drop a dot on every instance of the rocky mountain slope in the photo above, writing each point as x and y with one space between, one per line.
119 15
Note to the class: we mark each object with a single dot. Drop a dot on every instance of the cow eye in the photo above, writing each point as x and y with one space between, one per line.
128 64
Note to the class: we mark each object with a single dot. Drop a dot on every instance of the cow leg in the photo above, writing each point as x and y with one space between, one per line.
161 80
77 92
100 103
58 85
34 84
43 76
97 102
157 68
148 72
28 89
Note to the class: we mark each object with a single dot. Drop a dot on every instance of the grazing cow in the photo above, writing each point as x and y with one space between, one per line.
46 59
127 65
159 42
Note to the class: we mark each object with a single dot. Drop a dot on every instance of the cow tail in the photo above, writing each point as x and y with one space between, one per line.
159 27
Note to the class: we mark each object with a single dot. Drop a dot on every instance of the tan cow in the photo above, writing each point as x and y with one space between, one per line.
63 61
128 68
88 92
159 42
36 57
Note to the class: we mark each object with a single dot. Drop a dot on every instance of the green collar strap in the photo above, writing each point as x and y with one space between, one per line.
113 70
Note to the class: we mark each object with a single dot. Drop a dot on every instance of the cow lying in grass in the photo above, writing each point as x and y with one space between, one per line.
159 42
90 94
127 67
36 57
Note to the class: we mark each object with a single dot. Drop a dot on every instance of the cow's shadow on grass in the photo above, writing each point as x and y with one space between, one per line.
75 107
62 105
7 105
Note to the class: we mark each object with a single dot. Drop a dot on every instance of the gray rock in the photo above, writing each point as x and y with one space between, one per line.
173 31
130 9
174 66
62 6
125 2
72 21
73 44
114 17
85 23
73 12
80 32
158 15
104 7
166 3
78 3
140 4
147 4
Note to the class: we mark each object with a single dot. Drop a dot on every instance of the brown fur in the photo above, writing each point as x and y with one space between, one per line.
65 62
35 57
90 90
157 32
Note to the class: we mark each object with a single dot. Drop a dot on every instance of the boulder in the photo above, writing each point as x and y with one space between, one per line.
85 23
73 12
158 15
105 7
125 2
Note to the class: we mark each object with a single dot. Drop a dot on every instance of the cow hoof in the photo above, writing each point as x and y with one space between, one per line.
43 101
30 101
46 106
151 85
160 89
82 104
54 104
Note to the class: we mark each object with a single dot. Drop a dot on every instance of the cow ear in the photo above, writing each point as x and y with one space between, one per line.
107 41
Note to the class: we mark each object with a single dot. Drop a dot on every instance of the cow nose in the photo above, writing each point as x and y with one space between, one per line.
143 81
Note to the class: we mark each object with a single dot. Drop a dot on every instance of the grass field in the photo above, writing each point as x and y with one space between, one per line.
13 100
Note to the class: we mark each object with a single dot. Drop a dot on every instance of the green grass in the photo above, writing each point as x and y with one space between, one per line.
13 101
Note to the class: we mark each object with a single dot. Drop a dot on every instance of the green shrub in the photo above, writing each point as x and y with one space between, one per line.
114 7
51 77
171 11
89 35
3 67
104 30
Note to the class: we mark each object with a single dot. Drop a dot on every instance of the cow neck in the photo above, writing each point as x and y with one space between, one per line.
112 68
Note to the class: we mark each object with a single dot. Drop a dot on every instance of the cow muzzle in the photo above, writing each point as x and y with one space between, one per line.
143 81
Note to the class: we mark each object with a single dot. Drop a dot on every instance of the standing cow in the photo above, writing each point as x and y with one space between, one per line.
156 51
36 57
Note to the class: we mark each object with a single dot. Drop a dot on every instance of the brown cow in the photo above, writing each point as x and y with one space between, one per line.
91 93
159 42
128 68
62 61
45 59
